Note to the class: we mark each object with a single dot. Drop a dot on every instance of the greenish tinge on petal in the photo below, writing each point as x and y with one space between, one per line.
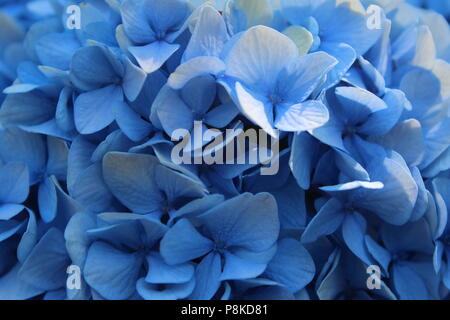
258 12
354 5
302 38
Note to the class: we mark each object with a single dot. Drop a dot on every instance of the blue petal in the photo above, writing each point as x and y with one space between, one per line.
349 186
45 267
407 139
56 49
197 207
94 110
238 267
58 152
26 109
132 125
12 288
135 22
169 292
346 56
254 106
356 105
395 202
8 211
222 115
167 16
199 94
20 88
55 295
420 96
301 162
381 122
76 238
347 25
177 186
408 283
437 141
172 111
292 265
90 190
291 206
47 200
130 177
380 254
326 222
183 243
422 197
247 221
207 277
115 141
111 272
91 69
153 84
29 238
412 237
18 145
14 180
161 273
354 231
350 167
121 235
79 159
438 256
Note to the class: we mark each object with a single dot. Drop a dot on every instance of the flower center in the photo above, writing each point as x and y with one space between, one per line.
401 256
220 246
349 131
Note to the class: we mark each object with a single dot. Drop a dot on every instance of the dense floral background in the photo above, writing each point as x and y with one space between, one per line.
356 92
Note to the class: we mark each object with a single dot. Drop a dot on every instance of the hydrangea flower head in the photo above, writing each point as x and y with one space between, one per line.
347 100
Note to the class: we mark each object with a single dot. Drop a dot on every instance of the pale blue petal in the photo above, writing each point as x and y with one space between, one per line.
299 78
152 56
133 80
209 36
258 56
304 116
194 68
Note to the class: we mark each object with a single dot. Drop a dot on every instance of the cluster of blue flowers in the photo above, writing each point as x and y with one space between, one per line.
356 94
